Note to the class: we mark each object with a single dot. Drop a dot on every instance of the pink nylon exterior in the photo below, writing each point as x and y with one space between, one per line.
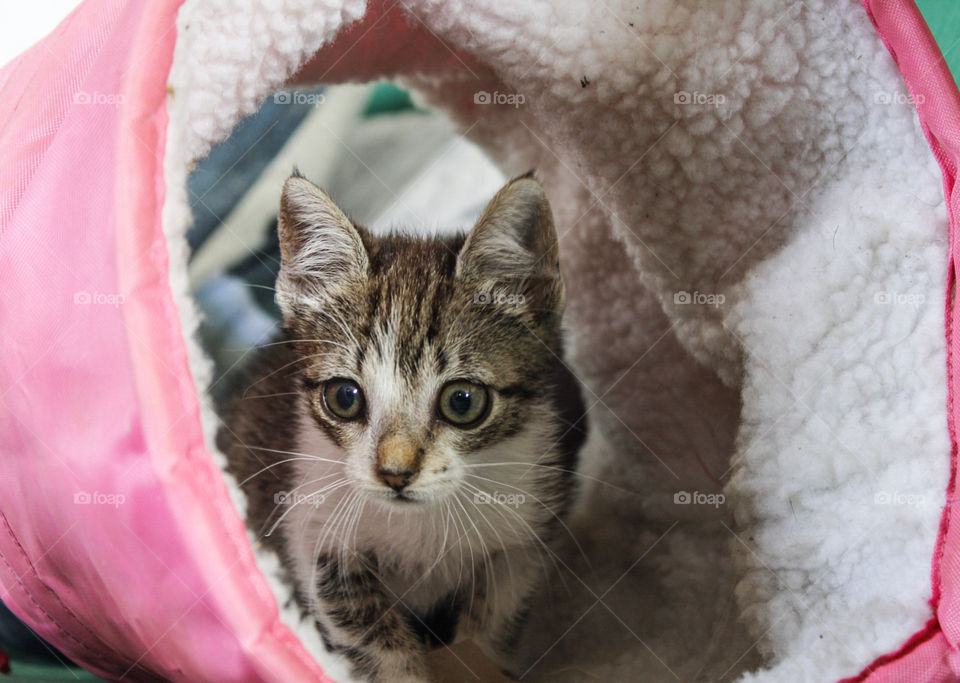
95 393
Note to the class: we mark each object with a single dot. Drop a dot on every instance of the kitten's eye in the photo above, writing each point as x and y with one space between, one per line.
343 398
463 404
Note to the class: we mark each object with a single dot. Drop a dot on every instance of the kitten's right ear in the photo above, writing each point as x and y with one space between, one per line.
321 249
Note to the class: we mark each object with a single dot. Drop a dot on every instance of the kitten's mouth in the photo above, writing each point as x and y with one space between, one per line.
395 497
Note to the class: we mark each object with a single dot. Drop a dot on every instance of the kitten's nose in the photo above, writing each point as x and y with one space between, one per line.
398 461
396 480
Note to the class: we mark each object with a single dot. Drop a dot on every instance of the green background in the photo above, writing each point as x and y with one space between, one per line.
943 18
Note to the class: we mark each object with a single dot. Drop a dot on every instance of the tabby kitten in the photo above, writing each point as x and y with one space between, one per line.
412 434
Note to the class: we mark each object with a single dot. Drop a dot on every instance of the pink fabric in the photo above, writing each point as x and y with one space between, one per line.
932 654
118 542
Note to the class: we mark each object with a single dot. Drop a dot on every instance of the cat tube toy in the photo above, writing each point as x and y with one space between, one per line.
123 544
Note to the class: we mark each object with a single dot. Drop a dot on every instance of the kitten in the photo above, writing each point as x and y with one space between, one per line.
411 436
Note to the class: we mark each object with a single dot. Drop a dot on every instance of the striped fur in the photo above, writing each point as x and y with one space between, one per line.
456 553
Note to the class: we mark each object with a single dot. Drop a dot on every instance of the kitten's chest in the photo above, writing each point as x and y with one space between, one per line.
431 603
426 571
422 561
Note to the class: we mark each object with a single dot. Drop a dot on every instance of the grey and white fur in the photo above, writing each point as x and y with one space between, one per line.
407 445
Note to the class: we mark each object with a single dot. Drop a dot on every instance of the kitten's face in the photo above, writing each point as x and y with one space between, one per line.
424 360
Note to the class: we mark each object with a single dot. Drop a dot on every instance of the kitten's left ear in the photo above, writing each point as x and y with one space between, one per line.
513 247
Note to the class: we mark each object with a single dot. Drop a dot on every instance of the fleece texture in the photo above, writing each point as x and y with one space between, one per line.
753 237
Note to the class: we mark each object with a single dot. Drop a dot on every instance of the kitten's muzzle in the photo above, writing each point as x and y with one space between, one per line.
398 461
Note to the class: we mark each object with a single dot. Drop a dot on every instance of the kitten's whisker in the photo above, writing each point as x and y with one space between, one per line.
503 546
456 530
285 393
321 538
444 516
340 535
557 469
318 546
503 510
302 500
305 455
331 521
305 498
355 518
500 540
358 519
338 531
485 553
532 532
351 519
254 285
283 367
274 464
321 491
279 503
326 487
303 341
473 561
542 548
461 534
312 591
545 507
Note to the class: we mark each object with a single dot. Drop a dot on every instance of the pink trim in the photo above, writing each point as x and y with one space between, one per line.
193 484
932 653
164 582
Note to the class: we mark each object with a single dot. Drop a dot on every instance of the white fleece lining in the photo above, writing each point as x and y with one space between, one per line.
182 148
808 200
